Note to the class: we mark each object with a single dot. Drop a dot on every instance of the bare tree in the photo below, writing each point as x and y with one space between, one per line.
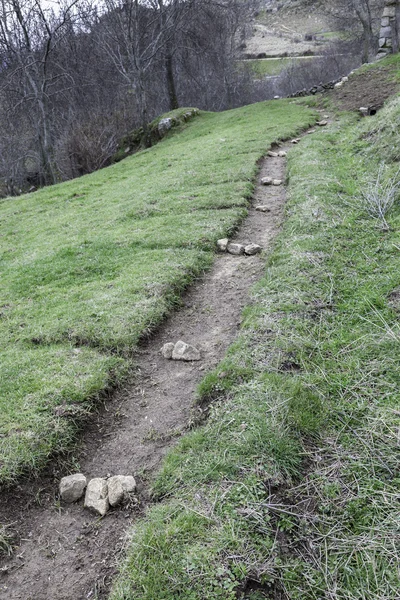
358 15
29 37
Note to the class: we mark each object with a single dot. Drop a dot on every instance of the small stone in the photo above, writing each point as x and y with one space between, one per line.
266 181
183 351
235 249
167 350
276 97
119 488
252 249
96 498
272 154
282 153
325 116
363 110
322 123
72 487
263 208
295 141
277 182
222 244
339 84
344 79
311 131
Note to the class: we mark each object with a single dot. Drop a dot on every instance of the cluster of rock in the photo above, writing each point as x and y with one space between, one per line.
389 32
319 89
180 351
224 245
271 181
166 124
280 154
100 493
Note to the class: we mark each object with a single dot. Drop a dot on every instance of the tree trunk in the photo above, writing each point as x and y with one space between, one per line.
172 95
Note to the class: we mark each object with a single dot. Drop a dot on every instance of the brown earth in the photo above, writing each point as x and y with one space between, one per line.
369 88
65 552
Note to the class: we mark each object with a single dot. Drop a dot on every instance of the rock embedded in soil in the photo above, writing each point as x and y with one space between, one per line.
282 153
222 244
96 498
277 182
266 181
252 249
322 123
272 154
119 488
235 249
263 208
168 349
296 141
72 487
183 351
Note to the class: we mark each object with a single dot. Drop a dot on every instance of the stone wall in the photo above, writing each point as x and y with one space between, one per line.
390 27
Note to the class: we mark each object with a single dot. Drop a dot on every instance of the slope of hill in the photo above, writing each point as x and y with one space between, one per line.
291 488
92 265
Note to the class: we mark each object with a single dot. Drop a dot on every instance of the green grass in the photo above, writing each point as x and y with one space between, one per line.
91 265
268 66
293 481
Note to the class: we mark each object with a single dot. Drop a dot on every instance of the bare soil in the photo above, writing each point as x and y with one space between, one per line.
65 552
369 89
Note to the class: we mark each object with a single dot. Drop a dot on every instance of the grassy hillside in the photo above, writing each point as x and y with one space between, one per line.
91 265
291 489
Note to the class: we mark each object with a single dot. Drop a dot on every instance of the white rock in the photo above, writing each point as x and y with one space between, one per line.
222 244
338 85
183 351
235 249
164 125
252 249
266 181
272 154
277 182
72 487
322 123
263 208
295 141
282 153
119 488
96 498
167 350
345 79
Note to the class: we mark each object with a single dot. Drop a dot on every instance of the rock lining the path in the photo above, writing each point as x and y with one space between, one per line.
96 498
252 249
180 351
119 488
235 249
72 487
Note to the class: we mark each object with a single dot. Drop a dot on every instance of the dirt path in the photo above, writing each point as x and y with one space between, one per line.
67 553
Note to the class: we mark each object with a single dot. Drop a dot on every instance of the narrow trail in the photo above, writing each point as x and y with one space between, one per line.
65 552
